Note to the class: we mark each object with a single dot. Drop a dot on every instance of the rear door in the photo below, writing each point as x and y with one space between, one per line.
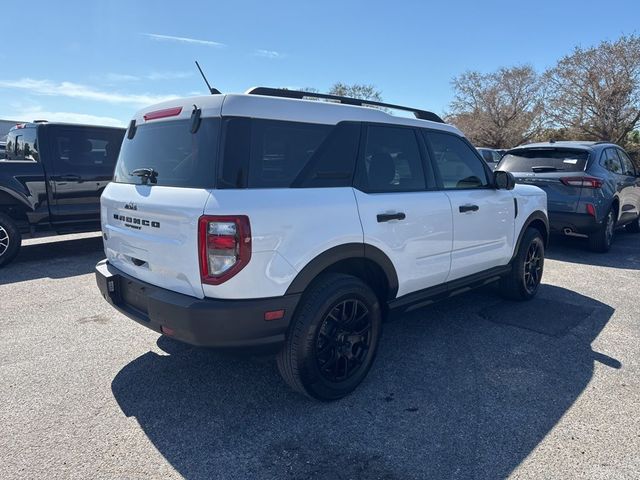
483 217
151 223
80 162
401 212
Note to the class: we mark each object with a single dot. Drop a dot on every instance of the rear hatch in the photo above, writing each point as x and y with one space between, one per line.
553 169
150 211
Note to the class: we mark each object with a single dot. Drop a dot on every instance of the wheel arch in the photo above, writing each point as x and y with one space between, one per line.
364 261
537 220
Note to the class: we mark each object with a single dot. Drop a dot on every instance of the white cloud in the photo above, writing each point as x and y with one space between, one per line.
171 38
268 54
85 92
120 77
71 117
153 76
168 75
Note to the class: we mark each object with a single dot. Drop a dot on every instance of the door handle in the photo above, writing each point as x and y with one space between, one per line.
387 217
468 208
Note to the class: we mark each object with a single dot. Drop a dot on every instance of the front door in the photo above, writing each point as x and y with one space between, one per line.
483 217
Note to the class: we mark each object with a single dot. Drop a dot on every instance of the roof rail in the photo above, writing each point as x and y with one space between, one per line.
299 94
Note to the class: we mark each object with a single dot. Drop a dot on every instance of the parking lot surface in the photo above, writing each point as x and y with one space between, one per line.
474 387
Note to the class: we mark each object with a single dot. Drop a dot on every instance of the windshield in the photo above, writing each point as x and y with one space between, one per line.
178 157
544 160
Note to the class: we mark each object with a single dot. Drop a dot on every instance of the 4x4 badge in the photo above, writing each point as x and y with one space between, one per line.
131 206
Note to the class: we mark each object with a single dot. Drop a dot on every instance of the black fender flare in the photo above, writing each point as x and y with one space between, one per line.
344 252
19 199
537 215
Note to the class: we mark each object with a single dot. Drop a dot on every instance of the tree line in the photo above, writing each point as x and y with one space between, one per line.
590 94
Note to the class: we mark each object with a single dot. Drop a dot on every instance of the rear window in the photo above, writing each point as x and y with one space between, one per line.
544 160
180 158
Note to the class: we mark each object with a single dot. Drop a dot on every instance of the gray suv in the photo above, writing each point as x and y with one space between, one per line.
592 187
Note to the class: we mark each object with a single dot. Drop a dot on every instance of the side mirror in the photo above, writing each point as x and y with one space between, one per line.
504 180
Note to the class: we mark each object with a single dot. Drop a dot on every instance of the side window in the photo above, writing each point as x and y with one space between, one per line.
610 161
279 151
486 154
459 166
22 145
496 156
277 154
333 163
86 149
391 161
627 165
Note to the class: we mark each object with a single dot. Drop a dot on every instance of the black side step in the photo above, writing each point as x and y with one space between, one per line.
431 295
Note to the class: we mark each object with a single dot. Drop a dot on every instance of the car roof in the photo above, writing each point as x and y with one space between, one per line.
576 144
286 109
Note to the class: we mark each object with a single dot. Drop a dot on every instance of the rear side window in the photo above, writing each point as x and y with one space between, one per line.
458 164
279 151
544 160
179 158
391 161
610 161
258 153
22 145
85 148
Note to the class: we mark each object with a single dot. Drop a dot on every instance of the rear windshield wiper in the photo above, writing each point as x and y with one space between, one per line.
546 168
146 174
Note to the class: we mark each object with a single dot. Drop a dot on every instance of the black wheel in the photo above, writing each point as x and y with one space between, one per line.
527 268
601 240
633 227
332 341
10 239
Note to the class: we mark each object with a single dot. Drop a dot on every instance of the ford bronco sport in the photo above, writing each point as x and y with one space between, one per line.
271 219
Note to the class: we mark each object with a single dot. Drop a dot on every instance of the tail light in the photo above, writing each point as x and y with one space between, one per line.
586 182
225 247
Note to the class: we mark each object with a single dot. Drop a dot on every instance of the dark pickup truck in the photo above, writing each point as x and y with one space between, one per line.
51 179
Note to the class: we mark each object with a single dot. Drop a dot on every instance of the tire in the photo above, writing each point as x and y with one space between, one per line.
600 241
10 240
333 338
526 268
633 227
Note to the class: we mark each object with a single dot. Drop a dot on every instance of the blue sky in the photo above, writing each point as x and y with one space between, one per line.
99 61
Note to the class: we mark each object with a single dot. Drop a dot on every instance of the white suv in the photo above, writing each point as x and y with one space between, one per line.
271 219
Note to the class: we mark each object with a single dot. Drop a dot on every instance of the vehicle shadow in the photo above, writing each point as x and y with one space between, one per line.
463 389
54 259
624 253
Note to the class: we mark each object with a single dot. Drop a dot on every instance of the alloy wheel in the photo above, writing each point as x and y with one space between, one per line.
533 267
343 340
4 240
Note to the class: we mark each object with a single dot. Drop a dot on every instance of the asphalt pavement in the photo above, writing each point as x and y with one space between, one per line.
472 388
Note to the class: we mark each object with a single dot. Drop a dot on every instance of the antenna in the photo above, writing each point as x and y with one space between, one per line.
213 91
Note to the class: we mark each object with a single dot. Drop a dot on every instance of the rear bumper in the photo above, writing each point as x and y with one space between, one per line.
203 322
580 223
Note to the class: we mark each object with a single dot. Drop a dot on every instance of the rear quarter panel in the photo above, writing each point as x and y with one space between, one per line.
289 228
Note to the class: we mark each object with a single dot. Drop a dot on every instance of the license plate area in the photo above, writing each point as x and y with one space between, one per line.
134 295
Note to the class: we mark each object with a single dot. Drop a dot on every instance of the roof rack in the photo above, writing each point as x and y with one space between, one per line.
299 94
